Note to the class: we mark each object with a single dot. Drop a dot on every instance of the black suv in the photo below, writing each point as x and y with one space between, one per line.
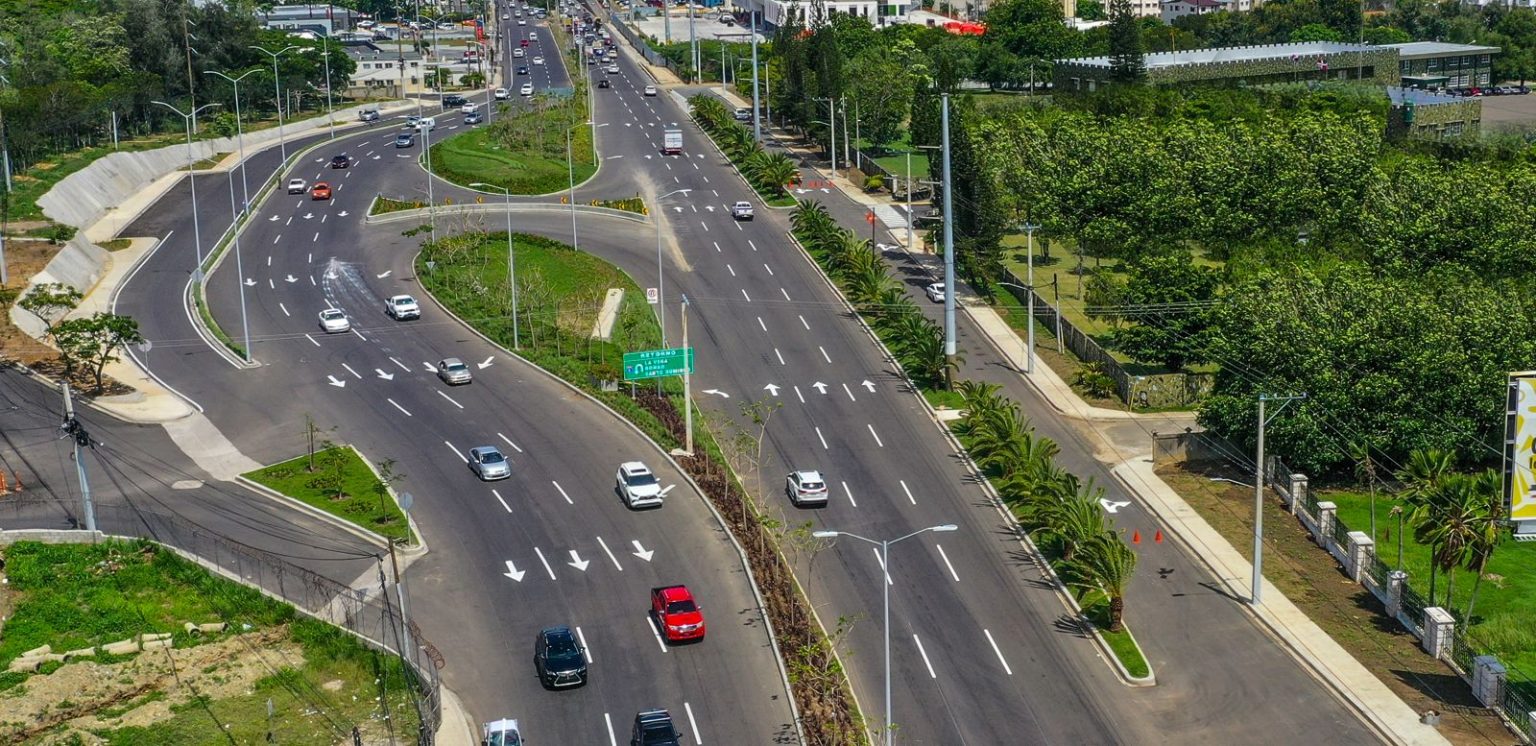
341 161
452 100
558 658
654 728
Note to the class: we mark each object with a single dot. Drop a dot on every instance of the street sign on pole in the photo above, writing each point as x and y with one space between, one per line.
653 296
657 363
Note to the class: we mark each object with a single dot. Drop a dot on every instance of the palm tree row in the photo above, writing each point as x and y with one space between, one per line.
770 173
1050 502
1460 517
865 278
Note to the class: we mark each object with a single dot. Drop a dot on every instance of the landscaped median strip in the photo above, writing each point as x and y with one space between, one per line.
337 481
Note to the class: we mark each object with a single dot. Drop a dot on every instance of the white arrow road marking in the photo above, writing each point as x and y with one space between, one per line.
514 573
309 215
311 340
354 373
430 369
995 649
544 562
612 558
272 219
285 310
250 282
641 551
676 208
877 436
945 557
486 364
402 365
1110 506
881 562
503 502
343 213
771 389
711 208
450 400
383 375
717 392
562 492
866 384
403 410
910 498
290 278
821 438
820 387
920 649
849 392
455 451
849 493
383 274
338 383
509 442
577 562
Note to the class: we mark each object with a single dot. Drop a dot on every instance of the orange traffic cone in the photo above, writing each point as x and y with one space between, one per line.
1135 537
1158 537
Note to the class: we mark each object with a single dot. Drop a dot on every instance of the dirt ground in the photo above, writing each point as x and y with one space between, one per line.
23 259
1311 578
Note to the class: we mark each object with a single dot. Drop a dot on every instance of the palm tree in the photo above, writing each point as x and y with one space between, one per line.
866 285
1073 522
999 435
1422 477
980 398
1105 563
779 172
809 218
1365 469
1448 524
1488 529
926 359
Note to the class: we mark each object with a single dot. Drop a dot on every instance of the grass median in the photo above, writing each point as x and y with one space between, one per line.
523 151
338 481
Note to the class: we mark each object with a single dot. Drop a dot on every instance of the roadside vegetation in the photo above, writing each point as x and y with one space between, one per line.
560 292
84 345
523 150
209 687
335 479
770 174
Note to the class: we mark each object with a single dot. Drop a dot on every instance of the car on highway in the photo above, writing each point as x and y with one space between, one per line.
522 69
506 16
473 117
426 123
320 190
341 161
650 90
501 94
742 210
297 186
368 115
612 70
518 53
334 321
502 732
405 140
469 107
676 613
524 43
526 90
402 307
743 114
538 60
532 36
522 22
935 292
654 728
453 371
806 488
453 99
559 659
637 485
603 83
488 463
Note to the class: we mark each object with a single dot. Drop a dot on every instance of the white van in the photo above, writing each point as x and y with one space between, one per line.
470 108
426 123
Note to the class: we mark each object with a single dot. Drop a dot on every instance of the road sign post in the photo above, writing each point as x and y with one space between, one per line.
645 364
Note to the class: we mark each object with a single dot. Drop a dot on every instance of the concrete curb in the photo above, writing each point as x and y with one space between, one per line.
419 213
1023 536
698 491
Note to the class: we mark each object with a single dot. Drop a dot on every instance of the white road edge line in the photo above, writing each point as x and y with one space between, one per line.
544 562
877 436
952 572
995 649
693 724
500 500
585 651
509 442
562 491
397 406
611 558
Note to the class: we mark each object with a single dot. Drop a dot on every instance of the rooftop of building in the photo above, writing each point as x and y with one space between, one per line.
1295 50
1419 49
1419 97
1200 3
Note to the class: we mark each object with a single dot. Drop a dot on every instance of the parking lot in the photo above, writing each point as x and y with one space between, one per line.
705 26
1509 112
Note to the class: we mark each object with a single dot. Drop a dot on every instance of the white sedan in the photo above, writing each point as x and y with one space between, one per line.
935 292
501 93
612 70
333 321
522 22
527 89
650 90
538 60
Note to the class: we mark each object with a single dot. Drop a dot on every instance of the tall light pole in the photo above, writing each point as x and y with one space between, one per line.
1029 331
277 94
570 168
661 296
511 257
757 124
245 189
832 137
325 51
485 68
885 567
197 234
1258 493
949 258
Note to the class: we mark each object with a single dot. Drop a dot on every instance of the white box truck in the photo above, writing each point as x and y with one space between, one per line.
671 142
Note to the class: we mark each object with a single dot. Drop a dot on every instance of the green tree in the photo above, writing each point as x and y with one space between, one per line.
1105 564
1316 32
1126 55
49 302
1074 522
1487 528
1091 10
1343 16
1166 300
95 340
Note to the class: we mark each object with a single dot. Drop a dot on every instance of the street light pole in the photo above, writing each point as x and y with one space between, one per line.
277 94
330 117
949 258
197 234
757 124
245 189
511 256
661 295
1029 332
885 567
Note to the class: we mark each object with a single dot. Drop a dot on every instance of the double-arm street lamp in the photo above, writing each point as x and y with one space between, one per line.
277 93
426 146
511 257
885 566
661 296
197 235
245 189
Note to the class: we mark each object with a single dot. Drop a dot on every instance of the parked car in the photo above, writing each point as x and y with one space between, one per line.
743 114
676 613
333 321
454 371
637 485
559 660
806 488
341 161
320 190
488 463
402 307
297 186
935 292
654 728
405 140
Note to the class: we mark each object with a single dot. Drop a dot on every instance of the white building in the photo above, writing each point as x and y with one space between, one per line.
324 20
1172 9
879 12
379 72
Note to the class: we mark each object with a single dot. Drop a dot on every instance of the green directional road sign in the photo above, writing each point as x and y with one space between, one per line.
657 363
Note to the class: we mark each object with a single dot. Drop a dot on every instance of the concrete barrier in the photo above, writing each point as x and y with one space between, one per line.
80 265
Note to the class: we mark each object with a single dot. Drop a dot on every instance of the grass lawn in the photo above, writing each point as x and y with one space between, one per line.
897 164
523 152
339 471
316 677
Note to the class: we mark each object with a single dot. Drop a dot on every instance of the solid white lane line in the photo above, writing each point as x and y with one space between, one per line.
611 558
945 557
397 406
402 365
544 562
697 739
354 373
770 269
753 245
456 452
761 325
995 649
849 493
509 442
799 395
779 356
611 740
881 561
802 323
786 294
311 340
824 354
503 502
849 392
562 491
651 623
744 295
285 309
732 271
823 439
926 662
450 400
585 651
877 436
910 498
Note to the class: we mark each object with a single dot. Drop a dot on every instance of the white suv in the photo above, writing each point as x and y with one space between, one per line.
637 485
806 488
297 186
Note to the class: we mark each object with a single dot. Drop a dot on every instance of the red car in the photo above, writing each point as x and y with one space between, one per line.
676 613
320 190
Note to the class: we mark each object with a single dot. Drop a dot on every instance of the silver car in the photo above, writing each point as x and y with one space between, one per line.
453 371
489 464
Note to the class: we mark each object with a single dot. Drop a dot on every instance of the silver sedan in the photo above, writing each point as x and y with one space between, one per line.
488 463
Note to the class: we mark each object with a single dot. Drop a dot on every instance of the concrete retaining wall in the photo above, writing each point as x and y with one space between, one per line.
84 196
80 265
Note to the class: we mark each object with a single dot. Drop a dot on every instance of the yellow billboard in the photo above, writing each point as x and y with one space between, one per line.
1520 447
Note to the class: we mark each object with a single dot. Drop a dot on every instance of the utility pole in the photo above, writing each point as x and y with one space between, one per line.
1258 491
832 137
949 257
1029 332
687 385
757 123
75 431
